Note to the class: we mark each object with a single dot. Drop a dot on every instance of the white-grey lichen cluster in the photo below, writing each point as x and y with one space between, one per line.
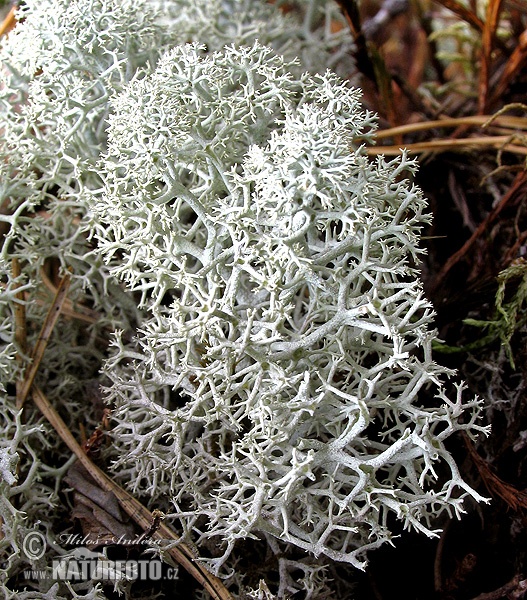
242 273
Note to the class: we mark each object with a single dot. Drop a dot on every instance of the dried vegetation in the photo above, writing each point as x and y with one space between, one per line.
449 79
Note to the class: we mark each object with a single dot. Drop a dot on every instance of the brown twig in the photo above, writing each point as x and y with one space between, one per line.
499 142
83 313
513 123
364 62
518 183
9 22
512 67
414 98
464 13
472 19
489 33
512 252
513 498
438 560
43 339
515 588
140 514
92 445
368 58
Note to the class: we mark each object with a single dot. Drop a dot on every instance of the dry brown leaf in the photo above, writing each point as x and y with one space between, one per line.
97 510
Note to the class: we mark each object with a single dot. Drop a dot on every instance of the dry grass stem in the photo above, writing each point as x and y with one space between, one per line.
506 122
42 341
9 22
499 142
141 515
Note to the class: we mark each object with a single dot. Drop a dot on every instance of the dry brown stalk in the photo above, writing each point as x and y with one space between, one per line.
181 554
499 142
513 590
464 13
512 67
488 38
503 121
513 498
140 514
9 22
43 339
82 313
517 185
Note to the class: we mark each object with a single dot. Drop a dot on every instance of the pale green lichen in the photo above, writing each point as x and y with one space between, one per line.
244 272
285 316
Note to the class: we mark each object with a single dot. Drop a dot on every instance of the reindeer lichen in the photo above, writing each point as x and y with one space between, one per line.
244 284
276 263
